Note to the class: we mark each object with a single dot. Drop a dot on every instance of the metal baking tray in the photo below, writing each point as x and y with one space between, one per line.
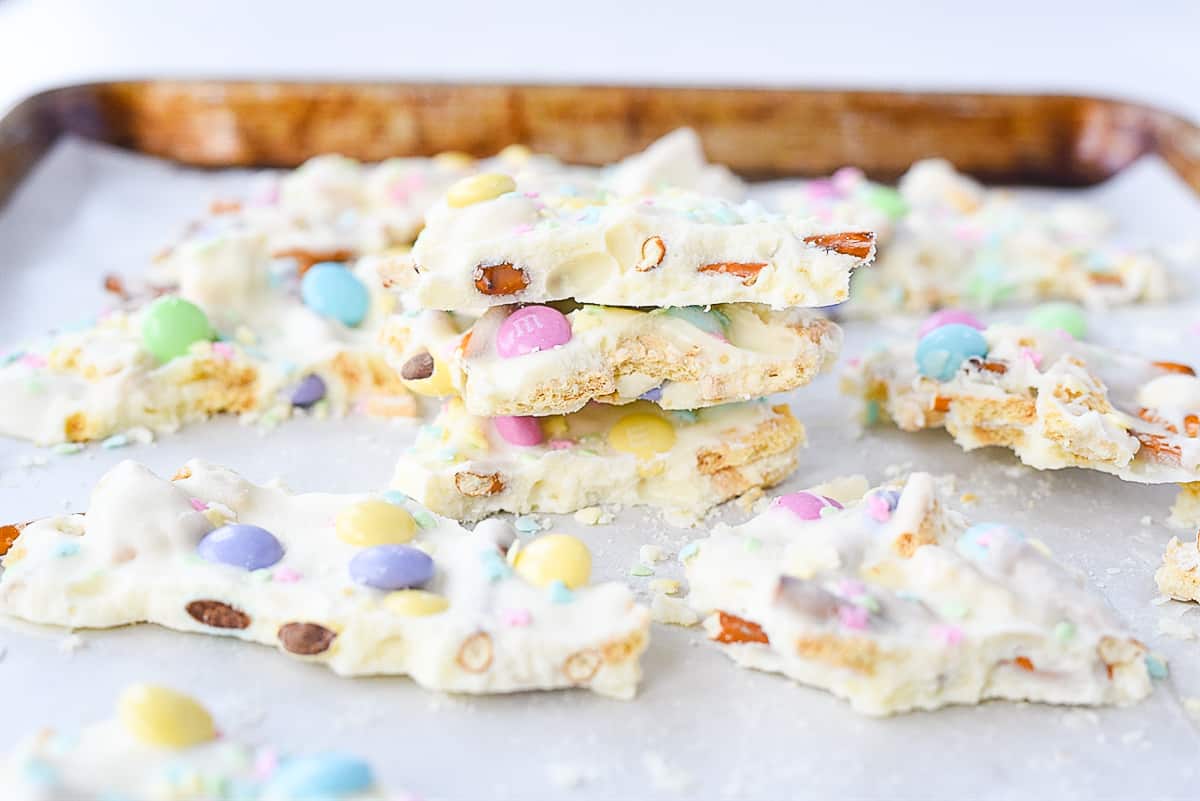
98 177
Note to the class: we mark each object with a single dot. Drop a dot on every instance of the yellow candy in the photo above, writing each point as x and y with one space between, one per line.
478 188
375 522
415 603
643 435
555 557
554 426
438 385
159 716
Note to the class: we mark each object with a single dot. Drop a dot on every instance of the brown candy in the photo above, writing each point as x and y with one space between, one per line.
500 279
305 639
218 614
418 367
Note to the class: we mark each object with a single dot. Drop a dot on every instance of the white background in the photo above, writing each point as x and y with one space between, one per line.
1147 50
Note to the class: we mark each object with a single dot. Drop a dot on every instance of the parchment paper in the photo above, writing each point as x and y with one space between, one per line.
701 727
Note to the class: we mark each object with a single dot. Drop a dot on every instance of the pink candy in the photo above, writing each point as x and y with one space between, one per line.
853 617
198 504
949 317
519 430
806 505
530 329
877 507
286 575
516 617
948 635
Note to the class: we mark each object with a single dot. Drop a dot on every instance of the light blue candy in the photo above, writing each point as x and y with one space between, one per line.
943 350
709 320
978 541
331 290
322 776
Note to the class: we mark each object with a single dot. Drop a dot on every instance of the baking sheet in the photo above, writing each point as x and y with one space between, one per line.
700 727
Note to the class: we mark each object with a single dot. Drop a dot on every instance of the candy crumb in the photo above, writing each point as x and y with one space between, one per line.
672 611
968 497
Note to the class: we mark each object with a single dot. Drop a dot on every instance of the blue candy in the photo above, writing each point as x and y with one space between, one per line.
391 567
978 541
322 776
241 545
709 320
943 350
331 290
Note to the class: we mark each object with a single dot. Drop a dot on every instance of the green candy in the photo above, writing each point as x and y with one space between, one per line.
887 200
171 325
1059 316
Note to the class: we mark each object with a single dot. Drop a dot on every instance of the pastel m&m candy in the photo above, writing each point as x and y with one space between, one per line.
331 290
160 716
323 776
555 557
531 329
1059 317
806 505
479 188
523 431
391 567
710 321
171 325
643 435
948 317
241 545
309 391
415 603
375 522
943 350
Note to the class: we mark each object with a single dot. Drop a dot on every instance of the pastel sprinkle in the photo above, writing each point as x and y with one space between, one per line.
641 570
34 360
494 566
853 617
752 544
878 509
559 593
67 448
688 551
1157 668
394 496
954 610
526 524
1035 357
1064 631
115 441
286 575
65 549
424 519
516 618
948 635
198 504
222 350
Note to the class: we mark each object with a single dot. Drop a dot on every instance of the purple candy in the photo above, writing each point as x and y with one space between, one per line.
806 505
241 545
949 317
391 567
652 395
310 390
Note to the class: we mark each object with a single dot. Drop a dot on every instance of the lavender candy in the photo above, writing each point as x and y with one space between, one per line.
309 391
241 545
391 567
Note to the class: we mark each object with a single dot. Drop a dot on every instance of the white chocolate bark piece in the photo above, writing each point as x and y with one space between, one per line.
893 604
1179 575
683 463
669 248
1185 512
685 358
334 208
116 760
101 380
476 627
1054 401
946 241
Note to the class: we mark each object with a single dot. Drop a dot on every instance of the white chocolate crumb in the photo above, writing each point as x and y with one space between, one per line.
664 776
592 516
71 643
664 586
1192 707
567 776
1146 520
672 611
649 554
1170 627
